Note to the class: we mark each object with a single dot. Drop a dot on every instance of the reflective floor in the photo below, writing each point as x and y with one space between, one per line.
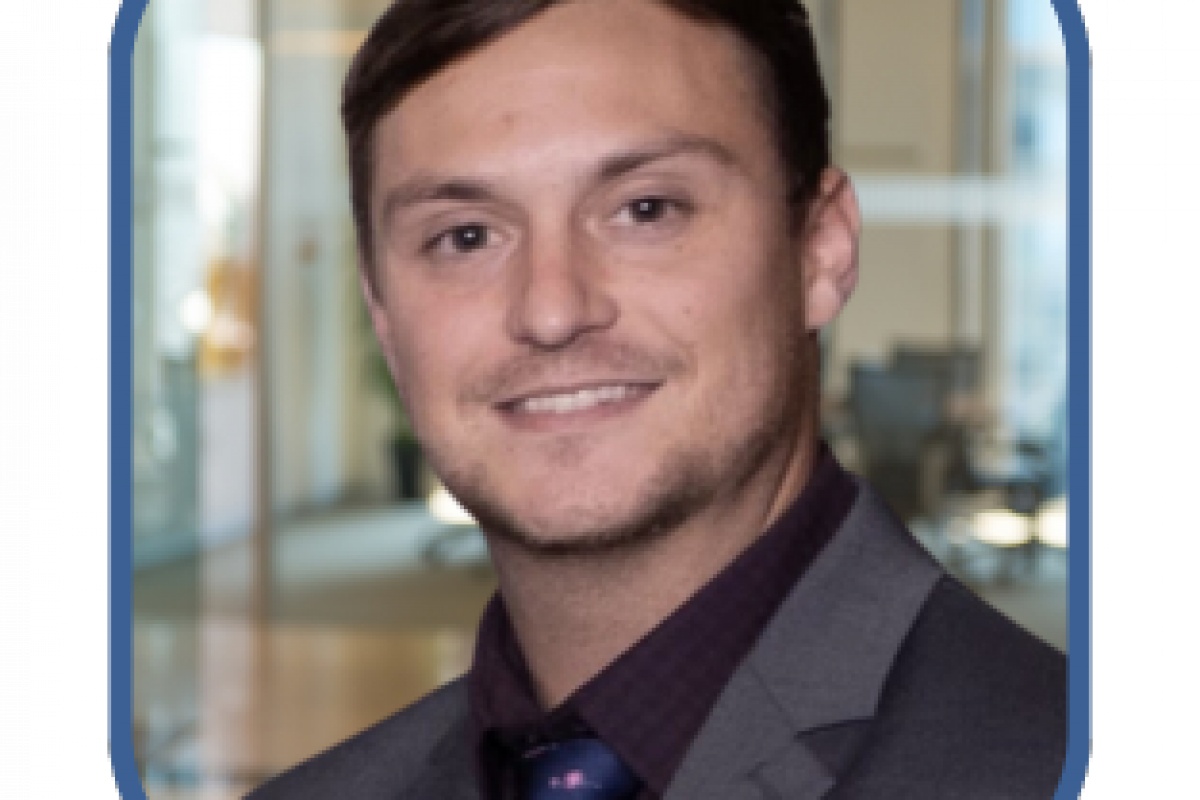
371 610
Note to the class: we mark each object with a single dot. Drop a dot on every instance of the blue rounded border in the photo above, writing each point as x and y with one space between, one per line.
1079 395
120 404
120 344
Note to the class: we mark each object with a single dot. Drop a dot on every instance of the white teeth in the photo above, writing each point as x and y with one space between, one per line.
573 401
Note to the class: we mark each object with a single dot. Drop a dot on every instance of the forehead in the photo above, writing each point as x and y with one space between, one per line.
577 74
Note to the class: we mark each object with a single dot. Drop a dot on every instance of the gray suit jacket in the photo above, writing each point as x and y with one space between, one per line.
879 677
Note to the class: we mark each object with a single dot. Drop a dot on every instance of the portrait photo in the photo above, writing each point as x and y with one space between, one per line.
639 399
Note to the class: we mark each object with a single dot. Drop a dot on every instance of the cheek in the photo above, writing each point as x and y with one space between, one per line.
751 327
412 356
428 367
434 351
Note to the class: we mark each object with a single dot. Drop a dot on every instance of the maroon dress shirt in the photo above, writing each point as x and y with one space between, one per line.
649 703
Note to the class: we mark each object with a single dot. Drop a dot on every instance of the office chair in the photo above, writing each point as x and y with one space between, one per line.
896 416
958 477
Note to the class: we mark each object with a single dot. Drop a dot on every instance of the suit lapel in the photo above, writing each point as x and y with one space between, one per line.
822 661
748 738
451 771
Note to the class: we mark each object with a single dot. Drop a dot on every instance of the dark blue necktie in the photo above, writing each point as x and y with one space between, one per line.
576 769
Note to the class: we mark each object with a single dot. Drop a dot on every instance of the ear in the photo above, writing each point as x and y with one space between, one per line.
829 249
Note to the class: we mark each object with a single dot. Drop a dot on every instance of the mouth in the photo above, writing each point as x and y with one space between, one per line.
583 403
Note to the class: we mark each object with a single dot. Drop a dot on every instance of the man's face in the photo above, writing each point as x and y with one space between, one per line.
589 287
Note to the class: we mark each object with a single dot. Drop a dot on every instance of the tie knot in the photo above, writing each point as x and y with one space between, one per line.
576 769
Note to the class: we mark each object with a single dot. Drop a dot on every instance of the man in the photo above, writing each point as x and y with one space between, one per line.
598 239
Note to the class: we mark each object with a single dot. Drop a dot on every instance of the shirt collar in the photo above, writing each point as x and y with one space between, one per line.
649 703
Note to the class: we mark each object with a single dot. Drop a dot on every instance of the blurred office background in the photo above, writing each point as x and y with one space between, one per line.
298 572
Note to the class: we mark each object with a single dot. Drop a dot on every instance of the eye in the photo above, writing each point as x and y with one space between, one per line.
460 239
649 210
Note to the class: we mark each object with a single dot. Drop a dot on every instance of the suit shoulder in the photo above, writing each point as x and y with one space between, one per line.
977 699
377 761
973 654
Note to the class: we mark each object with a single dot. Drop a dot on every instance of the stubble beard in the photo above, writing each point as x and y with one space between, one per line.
678 489
687 480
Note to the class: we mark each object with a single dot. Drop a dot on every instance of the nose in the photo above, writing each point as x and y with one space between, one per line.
558 293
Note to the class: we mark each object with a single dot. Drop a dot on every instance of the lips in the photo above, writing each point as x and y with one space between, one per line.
575 400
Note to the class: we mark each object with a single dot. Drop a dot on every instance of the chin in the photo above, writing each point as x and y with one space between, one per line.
592 526
600 537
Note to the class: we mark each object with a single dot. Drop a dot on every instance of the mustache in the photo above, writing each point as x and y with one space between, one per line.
584 359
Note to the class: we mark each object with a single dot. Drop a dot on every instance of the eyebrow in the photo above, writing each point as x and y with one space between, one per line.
618 164
424 188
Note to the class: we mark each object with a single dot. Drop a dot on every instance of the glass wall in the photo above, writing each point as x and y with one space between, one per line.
197 97
1035 250
197 106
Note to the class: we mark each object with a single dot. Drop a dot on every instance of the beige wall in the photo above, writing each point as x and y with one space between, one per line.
894 73
895 101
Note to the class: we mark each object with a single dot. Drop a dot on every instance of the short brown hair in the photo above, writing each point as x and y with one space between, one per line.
414 39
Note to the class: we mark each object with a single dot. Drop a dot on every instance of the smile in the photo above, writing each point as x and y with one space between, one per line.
580 400
577 403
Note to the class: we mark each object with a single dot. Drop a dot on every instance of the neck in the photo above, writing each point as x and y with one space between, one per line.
573 615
